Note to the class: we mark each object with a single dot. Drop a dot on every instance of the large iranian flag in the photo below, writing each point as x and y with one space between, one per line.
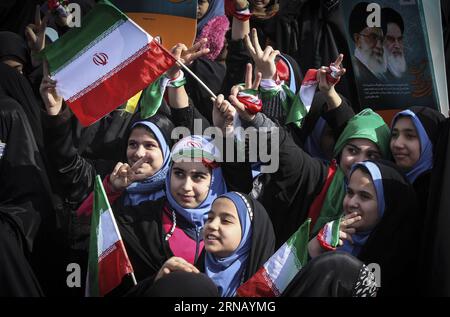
101 65
276 274
108 260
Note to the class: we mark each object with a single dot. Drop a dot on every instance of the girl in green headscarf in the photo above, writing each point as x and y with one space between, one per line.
307 187
366 136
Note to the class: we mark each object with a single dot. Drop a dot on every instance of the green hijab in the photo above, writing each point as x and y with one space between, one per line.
365 125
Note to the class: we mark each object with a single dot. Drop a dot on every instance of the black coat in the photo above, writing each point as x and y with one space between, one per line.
435 245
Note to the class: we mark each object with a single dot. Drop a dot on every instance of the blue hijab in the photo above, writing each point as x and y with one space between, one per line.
193 148
216 8
151 188
425 161
360 238
227 273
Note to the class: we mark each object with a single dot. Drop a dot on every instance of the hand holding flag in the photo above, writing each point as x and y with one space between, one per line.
101 65
53 102
223 114
186 55
326 78
246 107
329 76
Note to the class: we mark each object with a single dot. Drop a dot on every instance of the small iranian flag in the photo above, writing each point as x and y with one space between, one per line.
276 274
310 82
108 260
101 65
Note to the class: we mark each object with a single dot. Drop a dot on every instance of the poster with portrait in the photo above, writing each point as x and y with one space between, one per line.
397 53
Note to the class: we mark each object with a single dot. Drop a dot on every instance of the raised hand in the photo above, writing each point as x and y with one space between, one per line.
346 227
35 33
123 174
223 114
334 75
264 60
249 84
47 89
187 55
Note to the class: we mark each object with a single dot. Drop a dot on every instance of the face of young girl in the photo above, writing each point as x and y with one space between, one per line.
405 143
361 198
142 143
202 8
189 183
358 150
222 232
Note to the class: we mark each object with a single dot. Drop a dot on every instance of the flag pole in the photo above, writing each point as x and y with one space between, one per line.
180 63
133 278
196 78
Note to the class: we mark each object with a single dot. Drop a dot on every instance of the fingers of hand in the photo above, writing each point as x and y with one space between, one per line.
351 220
29 32
37 16
255 42
218 101
239 106
268 50
249 45
116 169
339 59
179 264
235 90
248 76
257 81
123 170
322 76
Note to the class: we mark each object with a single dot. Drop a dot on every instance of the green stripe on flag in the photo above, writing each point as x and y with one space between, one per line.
101 204
335 233
294 107
101 18
299 244
151 98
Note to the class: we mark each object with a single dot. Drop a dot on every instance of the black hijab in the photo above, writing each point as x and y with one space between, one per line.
15 85
333 274
183 284
392 243
13 47
263 238
17 223
22 171
25 186
15 15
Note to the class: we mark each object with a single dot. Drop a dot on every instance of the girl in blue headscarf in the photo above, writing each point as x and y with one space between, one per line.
414 135
379 225
238 238
142 177
155 231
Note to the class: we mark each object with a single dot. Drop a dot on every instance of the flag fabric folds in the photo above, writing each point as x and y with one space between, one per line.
108 260
101 65
276 274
